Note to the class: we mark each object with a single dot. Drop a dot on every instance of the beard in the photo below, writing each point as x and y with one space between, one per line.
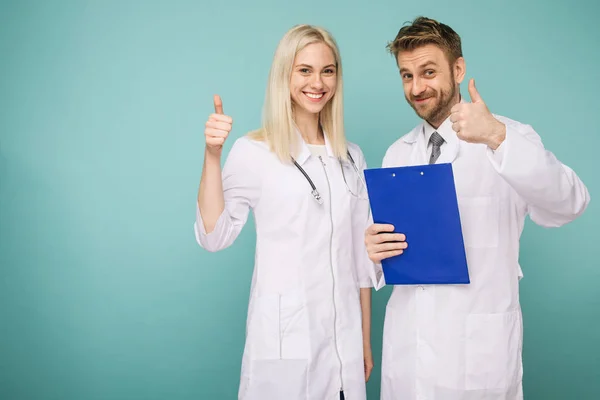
442 102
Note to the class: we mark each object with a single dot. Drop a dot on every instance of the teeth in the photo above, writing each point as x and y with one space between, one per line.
314 96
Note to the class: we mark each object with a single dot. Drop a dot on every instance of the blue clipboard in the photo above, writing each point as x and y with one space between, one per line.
420 201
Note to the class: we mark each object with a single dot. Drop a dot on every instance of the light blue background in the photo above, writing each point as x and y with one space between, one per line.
104 293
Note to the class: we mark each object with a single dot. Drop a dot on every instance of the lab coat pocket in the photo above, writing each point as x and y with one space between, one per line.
479 218
293 327
263 336
493 350
279 327
277 379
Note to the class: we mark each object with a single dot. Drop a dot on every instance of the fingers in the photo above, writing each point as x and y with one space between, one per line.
377 228
225 126
389 237
475 96
378 257
456 127
385 247
383 238
215 132
368 370
218 104
217 127
378 233
382 243
368 363
220 118
385 250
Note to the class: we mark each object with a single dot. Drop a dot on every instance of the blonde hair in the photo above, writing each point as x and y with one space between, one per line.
278 128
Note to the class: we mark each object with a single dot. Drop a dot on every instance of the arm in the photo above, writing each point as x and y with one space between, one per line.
211 202
369 273
553 192
224 197
380 240
366 271
365 305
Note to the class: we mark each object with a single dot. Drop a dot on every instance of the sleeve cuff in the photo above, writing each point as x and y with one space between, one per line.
498 156
210 241
377 277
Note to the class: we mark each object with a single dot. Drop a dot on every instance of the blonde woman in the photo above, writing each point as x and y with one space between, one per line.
308 326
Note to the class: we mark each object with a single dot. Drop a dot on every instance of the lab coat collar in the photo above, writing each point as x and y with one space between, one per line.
304 152
411 137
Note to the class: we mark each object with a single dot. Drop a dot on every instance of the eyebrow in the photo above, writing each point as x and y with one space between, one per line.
422 66
310 66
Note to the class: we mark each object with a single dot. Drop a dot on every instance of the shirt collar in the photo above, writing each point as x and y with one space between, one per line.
445 130
304 151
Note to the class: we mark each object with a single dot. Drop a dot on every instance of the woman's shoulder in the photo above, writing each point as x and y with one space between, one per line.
250 143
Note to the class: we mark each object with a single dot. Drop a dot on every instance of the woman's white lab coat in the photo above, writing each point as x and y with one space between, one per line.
304 326
453 342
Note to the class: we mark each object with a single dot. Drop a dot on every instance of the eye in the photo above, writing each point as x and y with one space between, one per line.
329 71
304 70
406 76
430 73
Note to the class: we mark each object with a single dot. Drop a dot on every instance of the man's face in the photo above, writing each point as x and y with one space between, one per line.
430 83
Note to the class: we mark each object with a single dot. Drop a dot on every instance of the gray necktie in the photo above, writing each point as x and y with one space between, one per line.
436 141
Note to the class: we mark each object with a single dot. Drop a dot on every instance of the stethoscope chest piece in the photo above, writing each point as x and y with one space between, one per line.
317 196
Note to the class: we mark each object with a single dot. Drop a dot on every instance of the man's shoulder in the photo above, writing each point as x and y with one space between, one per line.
407 139
511 123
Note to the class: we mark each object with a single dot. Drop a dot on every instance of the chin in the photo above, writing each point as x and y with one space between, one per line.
425 112
313 108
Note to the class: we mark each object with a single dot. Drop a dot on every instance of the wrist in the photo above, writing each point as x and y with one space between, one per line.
497 136
212 155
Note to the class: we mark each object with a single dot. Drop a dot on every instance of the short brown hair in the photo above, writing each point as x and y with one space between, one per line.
423 31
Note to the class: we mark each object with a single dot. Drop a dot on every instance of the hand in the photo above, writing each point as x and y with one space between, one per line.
474 123
382 244
217 128
368 355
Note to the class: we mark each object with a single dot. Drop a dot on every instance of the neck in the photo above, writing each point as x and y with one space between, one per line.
434 124
309 127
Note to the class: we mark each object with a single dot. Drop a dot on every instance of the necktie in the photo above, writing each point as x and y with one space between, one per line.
436 141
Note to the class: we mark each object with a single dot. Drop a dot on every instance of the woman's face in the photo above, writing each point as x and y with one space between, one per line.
314 79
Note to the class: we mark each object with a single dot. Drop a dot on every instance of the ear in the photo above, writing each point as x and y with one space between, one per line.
459 70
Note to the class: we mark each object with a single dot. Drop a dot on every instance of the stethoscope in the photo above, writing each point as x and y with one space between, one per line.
315 193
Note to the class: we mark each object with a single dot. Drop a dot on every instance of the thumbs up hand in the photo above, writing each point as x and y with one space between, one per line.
217 128
474 123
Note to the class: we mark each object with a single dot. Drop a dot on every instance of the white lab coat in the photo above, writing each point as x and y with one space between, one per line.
464 342
304 326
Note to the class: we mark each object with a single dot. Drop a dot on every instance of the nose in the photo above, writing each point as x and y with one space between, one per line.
418 86
316 82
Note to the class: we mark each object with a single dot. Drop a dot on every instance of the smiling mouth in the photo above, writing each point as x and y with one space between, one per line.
314 96
421 100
